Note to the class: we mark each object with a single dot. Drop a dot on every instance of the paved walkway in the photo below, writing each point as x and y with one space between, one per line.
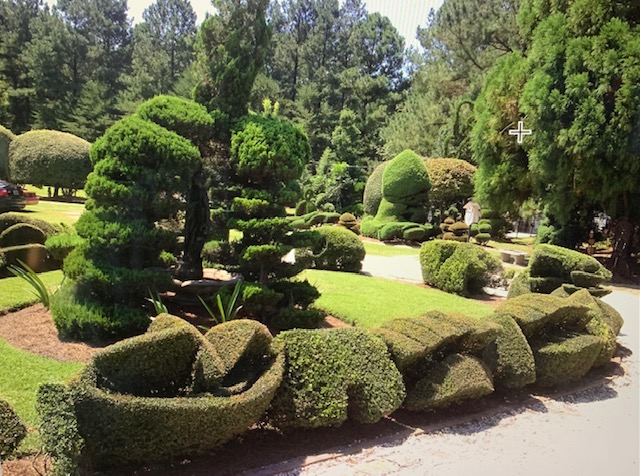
592 432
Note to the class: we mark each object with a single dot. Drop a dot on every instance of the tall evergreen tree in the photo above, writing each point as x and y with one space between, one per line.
231 50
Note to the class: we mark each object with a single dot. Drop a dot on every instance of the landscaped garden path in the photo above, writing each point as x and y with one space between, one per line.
591 430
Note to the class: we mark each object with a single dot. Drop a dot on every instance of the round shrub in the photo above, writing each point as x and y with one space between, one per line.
21 234
373 190
184 117
559 262
459 228
268 153
474 229
12 430
405 179
335 374
451 180
414 234
50 158
338 250
6 136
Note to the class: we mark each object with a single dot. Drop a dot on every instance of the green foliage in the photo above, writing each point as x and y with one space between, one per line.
186 118
80 317
49 229
231 48
59 428
35 256
227 310
40 289
565 360
456 267
12 430
483 238
332 375
61 245
539 314
338 249
405 180
21 234
451 181
6 136
268 153
510 357
456 378
127 428
555 261
50 158
373 190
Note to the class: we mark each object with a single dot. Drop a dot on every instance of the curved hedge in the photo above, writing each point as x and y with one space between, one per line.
332 375
21 234
6 136
49 229
144 399
52 158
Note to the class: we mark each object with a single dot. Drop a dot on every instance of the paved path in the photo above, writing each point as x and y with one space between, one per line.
593 432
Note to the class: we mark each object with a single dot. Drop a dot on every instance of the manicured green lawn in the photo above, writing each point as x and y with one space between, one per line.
42 191
54 212
368 302
21 374
381 249
517 244
16 292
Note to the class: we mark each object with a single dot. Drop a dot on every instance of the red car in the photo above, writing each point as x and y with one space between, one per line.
11 197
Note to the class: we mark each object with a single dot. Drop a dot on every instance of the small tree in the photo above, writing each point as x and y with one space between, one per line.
268 155
140 171
53 158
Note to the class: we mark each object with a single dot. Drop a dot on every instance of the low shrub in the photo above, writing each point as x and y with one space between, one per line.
565 360
332 375
519 285
460 268
555 261
509 357
12 430
80 318
417 233
215 252
21 234
483 238
539 315
338 249
606 324
456 378
59 429
61 245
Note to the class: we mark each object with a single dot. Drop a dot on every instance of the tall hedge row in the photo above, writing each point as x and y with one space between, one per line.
173 392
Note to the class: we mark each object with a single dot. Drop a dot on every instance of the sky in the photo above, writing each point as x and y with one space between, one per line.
406 15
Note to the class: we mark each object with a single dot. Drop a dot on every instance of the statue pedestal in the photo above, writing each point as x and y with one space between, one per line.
187 292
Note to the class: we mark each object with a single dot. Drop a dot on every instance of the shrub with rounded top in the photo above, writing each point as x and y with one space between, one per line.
12 430
49 229
405 179
373 190
338 250
451 180
61 245
184 117
21 234
6 136
459 228
50 158
556 261
332 375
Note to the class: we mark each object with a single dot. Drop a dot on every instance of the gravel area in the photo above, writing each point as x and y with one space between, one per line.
592 432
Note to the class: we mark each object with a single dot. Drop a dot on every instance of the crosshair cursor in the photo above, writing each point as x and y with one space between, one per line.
520 132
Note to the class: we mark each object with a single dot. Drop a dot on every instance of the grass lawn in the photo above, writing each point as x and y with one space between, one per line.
516 244
21 373
54 212
368 302
16 292
42 191
381 249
